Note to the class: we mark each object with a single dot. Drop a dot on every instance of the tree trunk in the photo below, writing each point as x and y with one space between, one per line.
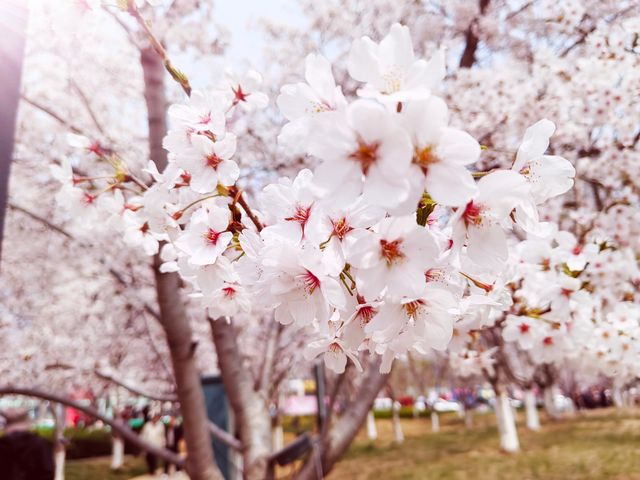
59 451
468 418
372 431
173 316
617 396
506 424
468 57
398 436
531 411
341 433
249 406
435 422
549 401
117 452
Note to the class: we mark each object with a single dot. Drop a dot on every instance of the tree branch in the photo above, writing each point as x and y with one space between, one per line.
116 425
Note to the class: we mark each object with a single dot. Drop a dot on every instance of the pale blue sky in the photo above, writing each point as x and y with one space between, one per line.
241 18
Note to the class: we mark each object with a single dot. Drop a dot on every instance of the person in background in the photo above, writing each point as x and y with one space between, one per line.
174 437
153 432
23 454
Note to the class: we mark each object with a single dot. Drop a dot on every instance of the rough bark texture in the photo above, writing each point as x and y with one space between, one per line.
343 431
173 316
249 406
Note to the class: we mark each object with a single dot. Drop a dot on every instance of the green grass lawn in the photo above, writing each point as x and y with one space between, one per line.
602 444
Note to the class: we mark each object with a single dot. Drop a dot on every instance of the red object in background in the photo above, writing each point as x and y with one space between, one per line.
406 401
75 417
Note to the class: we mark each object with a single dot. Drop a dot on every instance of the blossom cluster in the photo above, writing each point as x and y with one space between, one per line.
389 242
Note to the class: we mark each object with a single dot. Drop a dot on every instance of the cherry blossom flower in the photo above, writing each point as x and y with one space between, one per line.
301 103
549 175
245 90
368 153
209 163
480 220
395 258
390 69
206 236
440 152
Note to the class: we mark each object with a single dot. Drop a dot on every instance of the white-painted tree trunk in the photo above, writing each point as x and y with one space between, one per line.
506 424
372 431
531 412
549 400
435 422
59 457
277 440
617 397
398 436
117 452
468 418
59 451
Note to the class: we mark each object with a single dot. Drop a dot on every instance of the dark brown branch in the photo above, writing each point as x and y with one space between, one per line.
119 427
472 40
249 212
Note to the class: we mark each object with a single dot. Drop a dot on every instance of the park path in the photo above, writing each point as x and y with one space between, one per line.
174 476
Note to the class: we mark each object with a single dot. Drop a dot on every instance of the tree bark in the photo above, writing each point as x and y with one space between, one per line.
249 406
372 431
531 411
468 57
506 424
435 421
342 432
173 315
549 401
59 450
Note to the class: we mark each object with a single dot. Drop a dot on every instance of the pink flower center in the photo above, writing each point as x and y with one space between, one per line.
548 341
88 198
229 292
524 328
211 237
412 308
311 282
240 95
205 119
335 347
144 228
300 215
433 275
366 155
213 160
390 251
424 158
96 148
472 214
341 228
